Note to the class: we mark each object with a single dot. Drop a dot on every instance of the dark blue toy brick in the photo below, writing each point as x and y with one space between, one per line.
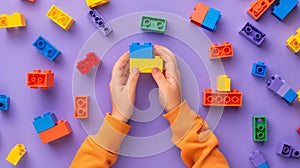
283 8
259 69
290 96
43 123
137 50
252 34
211 19
99 21
46 48
4 102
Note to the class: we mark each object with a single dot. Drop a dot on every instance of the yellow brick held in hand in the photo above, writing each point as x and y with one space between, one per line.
59 17
16 154
15 20
145 65
223 83
94 3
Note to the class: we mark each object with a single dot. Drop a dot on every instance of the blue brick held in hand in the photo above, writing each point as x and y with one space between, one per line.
259 69
46 48
4 102
252 34
99 22
137 50
45 122
283 8
211 19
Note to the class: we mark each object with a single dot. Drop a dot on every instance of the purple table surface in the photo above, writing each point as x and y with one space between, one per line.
235 128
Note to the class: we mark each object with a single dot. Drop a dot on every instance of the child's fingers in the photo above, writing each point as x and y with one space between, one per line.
132 81
159 78
122 61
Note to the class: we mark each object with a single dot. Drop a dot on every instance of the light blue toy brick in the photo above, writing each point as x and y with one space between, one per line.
46 48
137 50
290 96
283 8
264 165
4 102
43 123
211 19
259 69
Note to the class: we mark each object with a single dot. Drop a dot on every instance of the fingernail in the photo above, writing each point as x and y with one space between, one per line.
155 70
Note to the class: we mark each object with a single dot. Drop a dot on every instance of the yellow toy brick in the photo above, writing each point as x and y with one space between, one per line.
223 83
59 17
298 93
293 42
145 65
16 154
15 20
94 3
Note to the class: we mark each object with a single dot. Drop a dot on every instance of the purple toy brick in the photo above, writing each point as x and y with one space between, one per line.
99 21
296 153
284 149
275 82
256 158
252 34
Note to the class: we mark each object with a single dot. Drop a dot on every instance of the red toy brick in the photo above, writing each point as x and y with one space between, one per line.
61 129
298 130
233 98
81 107
85 65
222 51
38 79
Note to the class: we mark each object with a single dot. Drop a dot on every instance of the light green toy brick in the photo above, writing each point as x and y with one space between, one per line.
154 24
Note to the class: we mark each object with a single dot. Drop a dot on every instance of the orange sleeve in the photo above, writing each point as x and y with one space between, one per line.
101 150
191 134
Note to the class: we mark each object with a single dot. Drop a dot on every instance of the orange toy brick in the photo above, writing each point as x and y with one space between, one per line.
38 79
200 11
85 65
233 98
61 129
221 51
259 7
81 106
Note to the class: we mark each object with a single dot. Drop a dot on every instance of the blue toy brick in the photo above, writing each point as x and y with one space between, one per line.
136 50
283 8
211 19
99 22
46 48
252 34
43 123
4 102
290 96
259 69
264 165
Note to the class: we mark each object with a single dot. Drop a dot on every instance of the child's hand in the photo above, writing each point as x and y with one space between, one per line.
123 88
169 84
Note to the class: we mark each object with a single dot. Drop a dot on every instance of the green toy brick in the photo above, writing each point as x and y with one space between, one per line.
259 124
154 24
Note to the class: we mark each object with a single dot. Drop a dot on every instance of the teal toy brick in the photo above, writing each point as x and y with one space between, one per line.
4 102
45 122
259 69
211 19
46 48
154 24
259 124
137 50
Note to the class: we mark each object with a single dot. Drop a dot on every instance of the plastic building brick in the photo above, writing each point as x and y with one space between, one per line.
283 8
211 19
222 51
33 1
259 7
223 83
296 153
233 98
259 69
145 65
298 130
84 66
281 88
15 20
200 11
46 48
258 160
252 34
298 93
137 50
259 124
38 79
153 24
61 129
94 3
99 22
45 122
81 106
293 42
60 18
4 102
17 152
284 149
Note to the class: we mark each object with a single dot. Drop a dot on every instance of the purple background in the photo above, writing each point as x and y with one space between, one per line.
235 128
